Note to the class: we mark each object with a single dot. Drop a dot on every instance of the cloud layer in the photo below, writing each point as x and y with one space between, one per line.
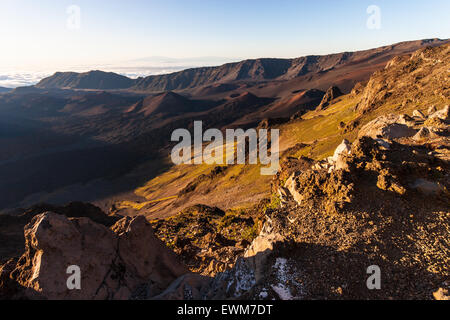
132 69
20 79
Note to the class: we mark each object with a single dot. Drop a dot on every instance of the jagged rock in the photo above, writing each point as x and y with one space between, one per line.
12 225
232 284
406 120
9 289
386 127
331 94
431 110
340 153
436 123
114 263
443 114
389 182
418 114
282 193
238 281
400 80
357 89
441 294
343 149
261 248
291 185
145 255
425 133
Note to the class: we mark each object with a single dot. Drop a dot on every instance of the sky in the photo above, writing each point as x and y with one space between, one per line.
142 37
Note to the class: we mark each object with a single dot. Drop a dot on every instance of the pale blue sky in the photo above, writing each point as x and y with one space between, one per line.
34 33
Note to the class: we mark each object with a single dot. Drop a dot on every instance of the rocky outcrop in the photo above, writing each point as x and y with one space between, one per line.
260 249
125 261
418 129
205 238
443 114
336 222
442 294
12 224
387 127
409 79
342 151
331 94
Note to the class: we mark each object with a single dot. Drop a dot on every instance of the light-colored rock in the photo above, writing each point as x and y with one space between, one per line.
114 264
418 114
283 193
386 127
443 114
425 133
343 149
406 120
338 160
441 294
431 110
261 248
291 185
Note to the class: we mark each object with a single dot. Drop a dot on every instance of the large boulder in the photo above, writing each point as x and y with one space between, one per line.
386 127
122 262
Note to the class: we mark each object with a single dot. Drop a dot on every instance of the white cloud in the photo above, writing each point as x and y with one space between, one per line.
12 78
20 79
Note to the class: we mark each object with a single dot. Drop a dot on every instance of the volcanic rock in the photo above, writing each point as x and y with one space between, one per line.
331 94
118 263
387 127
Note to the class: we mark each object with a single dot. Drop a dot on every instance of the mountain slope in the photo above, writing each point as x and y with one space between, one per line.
337 209
71 122
259 70
315 135
276 69
89 80
338 217
165 103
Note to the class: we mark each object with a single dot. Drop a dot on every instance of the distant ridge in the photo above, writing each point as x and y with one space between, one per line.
89 80
259 70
